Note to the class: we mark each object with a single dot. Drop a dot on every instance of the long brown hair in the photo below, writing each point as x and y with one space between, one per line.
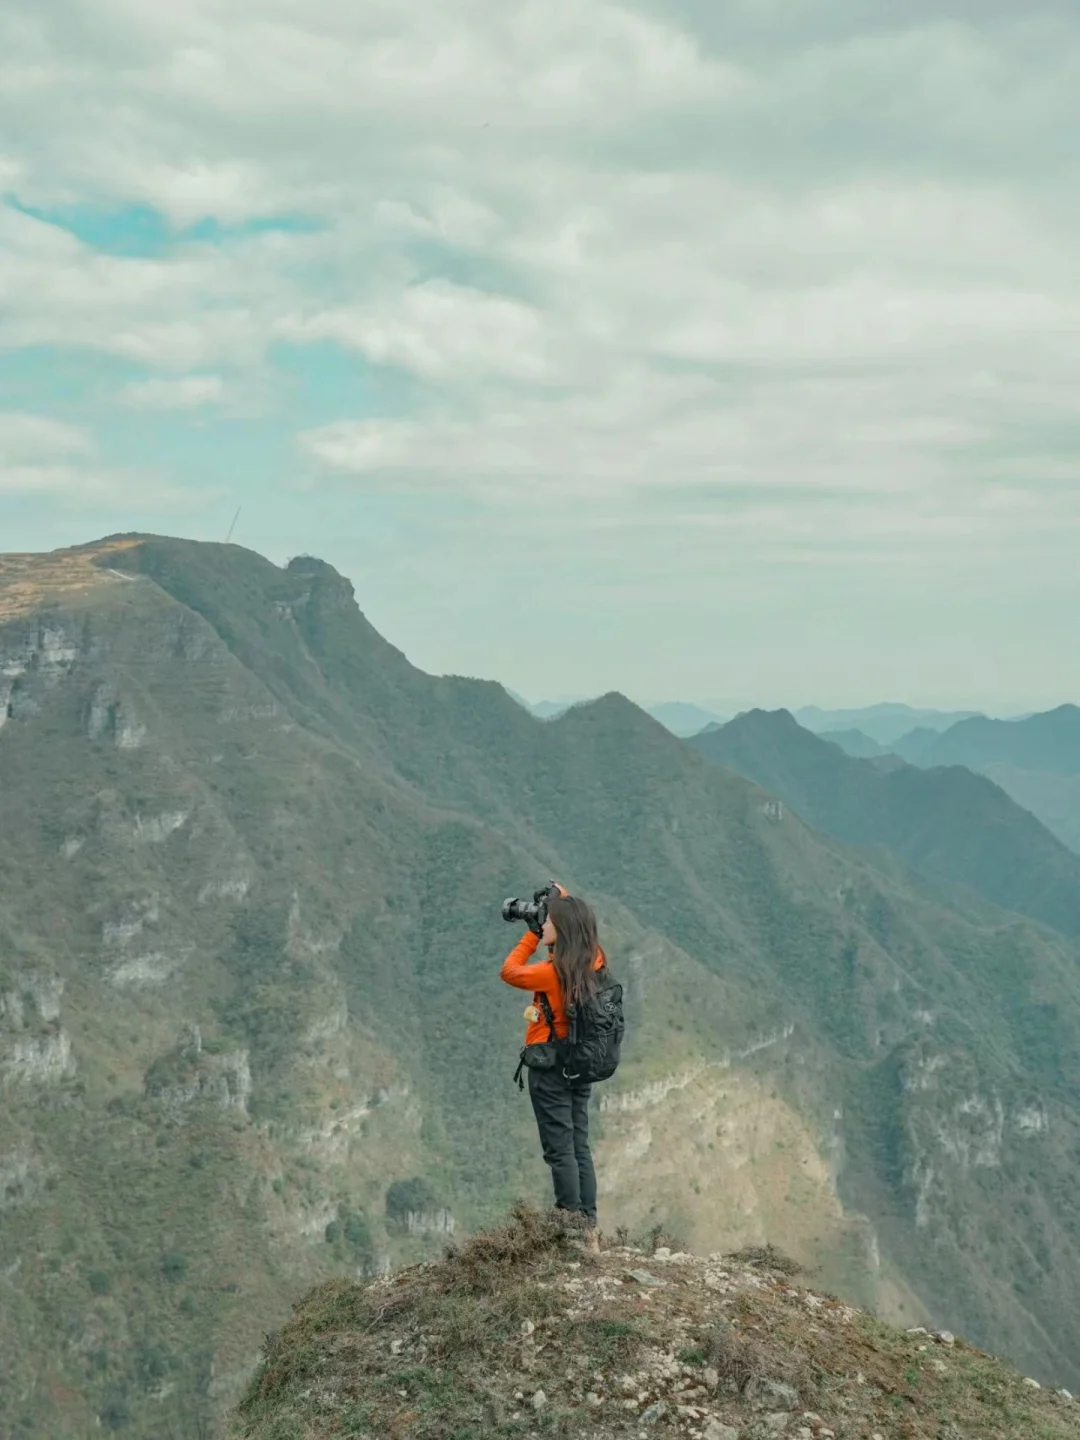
576 947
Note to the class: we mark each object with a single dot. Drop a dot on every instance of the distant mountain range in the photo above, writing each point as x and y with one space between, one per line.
856 743
885 723
678 716
948 824
1035 759
1047 741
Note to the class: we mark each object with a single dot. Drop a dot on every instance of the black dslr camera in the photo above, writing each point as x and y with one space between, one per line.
533 912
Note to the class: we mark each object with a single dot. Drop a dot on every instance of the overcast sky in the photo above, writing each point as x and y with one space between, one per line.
701 351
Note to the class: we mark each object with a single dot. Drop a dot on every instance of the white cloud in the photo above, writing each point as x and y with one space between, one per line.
191 392
440 331
175 313
45 458
25 437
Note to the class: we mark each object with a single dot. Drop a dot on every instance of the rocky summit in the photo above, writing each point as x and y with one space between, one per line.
521 1333
252 1035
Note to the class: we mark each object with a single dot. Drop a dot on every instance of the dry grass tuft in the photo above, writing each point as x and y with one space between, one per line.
737 1359
532 1239
766 1257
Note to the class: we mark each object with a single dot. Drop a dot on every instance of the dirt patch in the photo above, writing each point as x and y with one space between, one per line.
29 581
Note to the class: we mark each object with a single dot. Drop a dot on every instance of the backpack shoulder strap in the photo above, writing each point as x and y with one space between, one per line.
549 1015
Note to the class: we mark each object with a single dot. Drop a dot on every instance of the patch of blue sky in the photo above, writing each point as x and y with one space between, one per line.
43 522
141 231
435 260
326 382
210 230
220 458
52 378
198 449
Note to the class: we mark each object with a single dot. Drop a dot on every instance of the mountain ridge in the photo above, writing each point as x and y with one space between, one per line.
1048 740
936 820
885 722
1035 759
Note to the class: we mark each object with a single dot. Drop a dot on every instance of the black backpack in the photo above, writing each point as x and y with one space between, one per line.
591 1049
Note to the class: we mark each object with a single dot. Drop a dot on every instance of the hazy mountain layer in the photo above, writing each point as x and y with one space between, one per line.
948 823
854 742
1035 760
1049 741
885 723
678 716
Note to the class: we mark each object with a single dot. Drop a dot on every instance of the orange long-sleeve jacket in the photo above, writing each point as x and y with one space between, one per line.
542 979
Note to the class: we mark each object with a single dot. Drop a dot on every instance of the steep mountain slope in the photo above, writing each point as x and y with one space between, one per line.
1054 798
949 824
251 1031
1035 760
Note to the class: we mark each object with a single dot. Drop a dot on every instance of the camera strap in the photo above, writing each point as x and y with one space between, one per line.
549 1015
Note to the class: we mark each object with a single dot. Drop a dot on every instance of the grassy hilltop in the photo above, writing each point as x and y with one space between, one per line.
518 1335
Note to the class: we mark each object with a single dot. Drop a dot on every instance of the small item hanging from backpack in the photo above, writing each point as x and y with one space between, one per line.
548 1053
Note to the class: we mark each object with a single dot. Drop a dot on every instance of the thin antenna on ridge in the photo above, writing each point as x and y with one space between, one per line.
232 527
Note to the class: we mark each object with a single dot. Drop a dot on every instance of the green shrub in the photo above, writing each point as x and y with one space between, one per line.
100 1282
174 1265
115 1413
357 1231
153 1361
408 1196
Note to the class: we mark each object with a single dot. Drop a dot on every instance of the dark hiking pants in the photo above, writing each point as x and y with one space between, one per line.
562 1117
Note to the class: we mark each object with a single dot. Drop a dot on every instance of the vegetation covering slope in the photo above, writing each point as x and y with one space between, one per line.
949 824
520 1335
251 1033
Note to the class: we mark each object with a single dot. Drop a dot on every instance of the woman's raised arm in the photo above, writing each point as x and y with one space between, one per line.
516 969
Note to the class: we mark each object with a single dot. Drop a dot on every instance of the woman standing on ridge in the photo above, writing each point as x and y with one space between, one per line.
569 977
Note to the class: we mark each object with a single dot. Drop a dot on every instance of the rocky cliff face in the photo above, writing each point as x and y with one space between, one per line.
249 943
